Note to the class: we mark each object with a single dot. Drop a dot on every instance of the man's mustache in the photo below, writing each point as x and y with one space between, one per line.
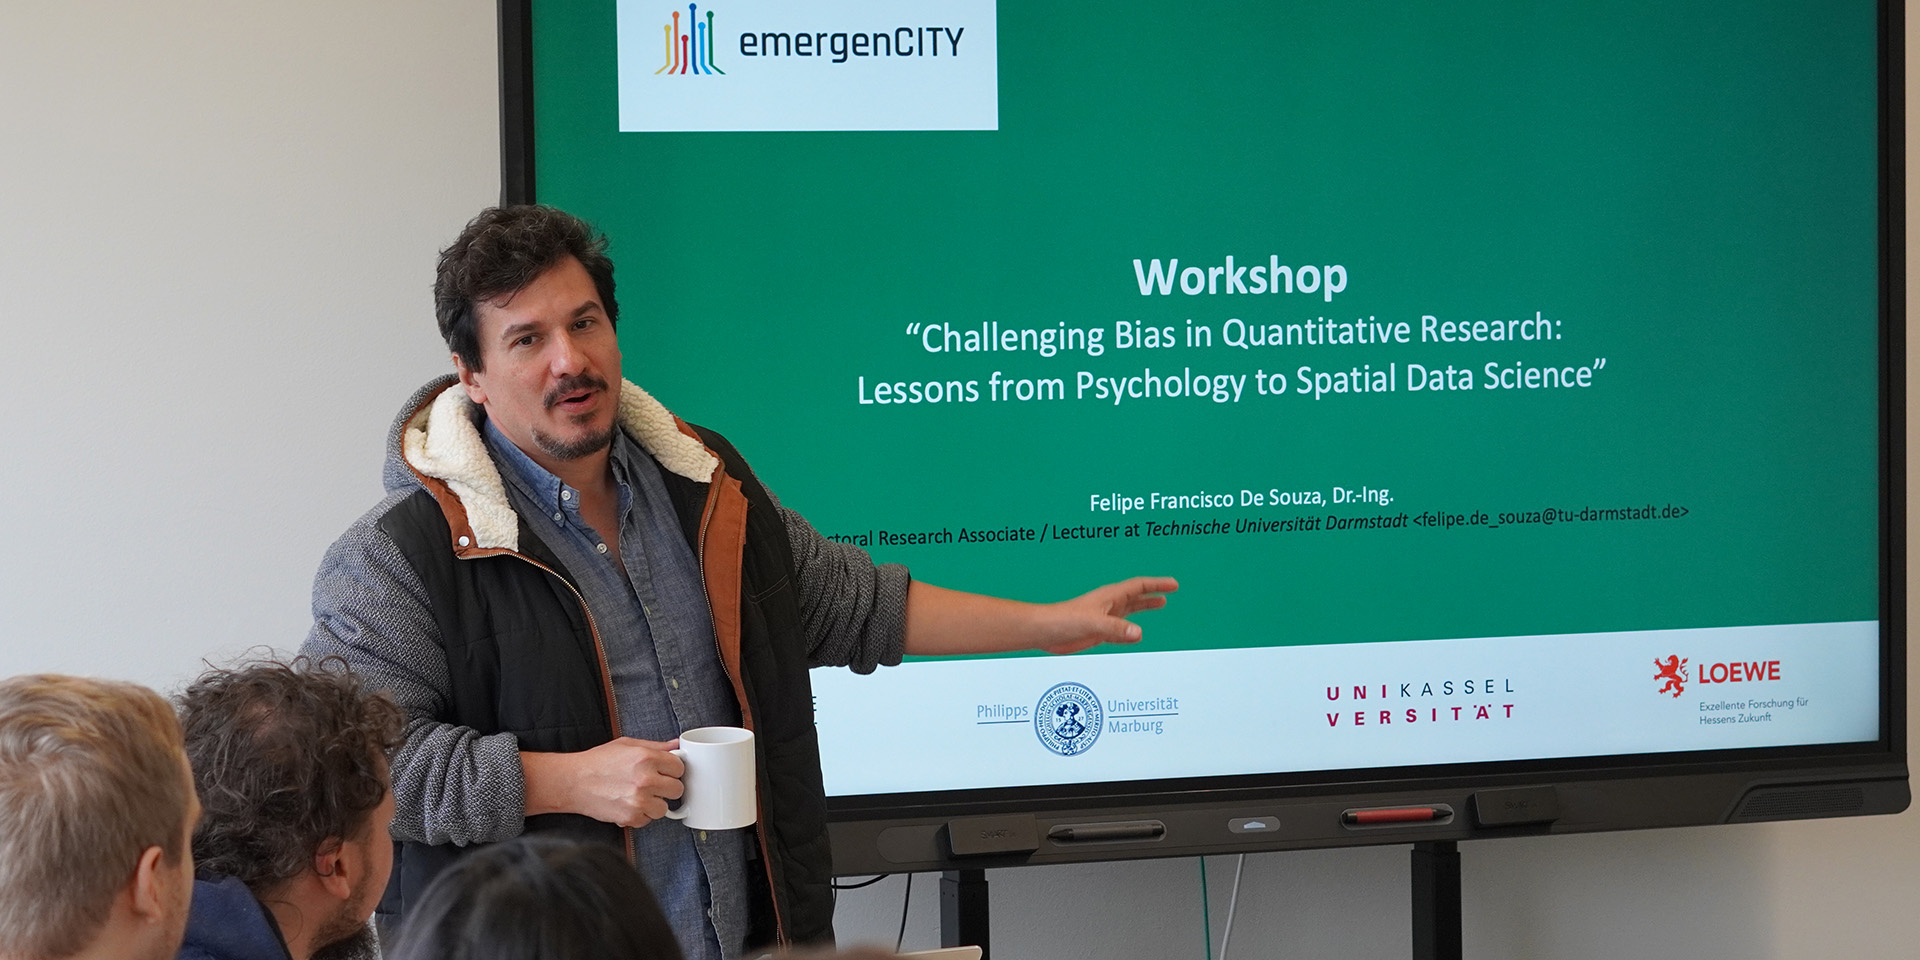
573 384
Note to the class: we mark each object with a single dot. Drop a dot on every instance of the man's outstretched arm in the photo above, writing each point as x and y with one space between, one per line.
942 622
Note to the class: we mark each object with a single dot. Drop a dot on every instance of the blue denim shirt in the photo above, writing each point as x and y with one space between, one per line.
658 635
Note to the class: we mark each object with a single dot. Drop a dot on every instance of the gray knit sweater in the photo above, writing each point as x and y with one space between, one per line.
458 785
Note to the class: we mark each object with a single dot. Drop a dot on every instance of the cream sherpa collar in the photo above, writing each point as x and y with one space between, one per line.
442 441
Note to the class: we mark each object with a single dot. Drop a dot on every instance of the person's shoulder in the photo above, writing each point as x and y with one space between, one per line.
226 922
388 542
706 434
395 516
721 447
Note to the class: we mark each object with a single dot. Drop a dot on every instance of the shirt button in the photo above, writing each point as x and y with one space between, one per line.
601 547
671 682
566 494
558 516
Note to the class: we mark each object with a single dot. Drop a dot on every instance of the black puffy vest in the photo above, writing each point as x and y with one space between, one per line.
521 659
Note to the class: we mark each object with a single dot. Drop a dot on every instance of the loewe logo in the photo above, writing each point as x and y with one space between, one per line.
1673 673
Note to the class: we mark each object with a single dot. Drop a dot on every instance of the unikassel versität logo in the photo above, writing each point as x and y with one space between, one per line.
1067 719
690 50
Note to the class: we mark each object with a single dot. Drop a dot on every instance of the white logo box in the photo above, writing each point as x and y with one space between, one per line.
801 66
922 726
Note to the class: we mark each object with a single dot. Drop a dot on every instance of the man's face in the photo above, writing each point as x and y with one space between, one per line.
178 886
550 376
346 936
379 840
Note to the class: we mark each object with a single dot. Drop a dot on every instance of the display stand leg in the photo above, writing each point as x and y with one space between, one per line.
1436 901
963 910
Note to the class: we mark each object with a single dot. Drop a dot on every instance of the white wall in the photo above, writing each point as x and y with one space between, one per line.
215 263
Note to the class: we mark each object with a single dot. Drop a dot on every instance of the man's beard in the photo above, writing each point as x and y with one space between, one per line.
574 449
591 443
347 935
359 943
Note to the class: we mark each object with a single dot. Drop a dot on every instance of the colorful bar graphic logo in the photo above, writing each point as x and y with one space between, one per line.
692 51
806 65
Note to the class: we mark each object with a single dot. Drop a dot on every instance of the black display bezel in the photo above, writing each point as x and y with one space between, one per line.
1608 792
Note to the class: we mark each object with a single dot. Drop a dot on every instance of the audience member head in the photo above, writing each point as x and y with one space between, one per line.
498 254
538 898
96 810
291 764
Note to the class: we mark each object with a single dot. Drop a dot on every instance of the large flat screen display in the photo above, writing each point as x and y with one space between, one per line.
1508 384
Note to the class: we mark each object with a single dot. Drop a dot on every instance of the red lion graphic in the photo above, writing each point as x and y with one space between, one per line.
1674 671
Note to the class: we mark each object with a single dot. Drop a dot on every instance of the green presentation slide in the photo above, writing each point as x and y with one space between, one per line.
1367 321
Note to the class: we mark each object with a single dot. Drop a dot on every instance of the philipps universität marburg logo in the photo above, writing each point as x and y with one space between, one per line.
1067 719
1673 673
690 50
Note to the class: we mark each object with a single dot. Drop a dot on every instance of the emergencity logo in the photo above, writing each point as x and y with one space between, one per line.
690 51
1067 719
818 65
1673 674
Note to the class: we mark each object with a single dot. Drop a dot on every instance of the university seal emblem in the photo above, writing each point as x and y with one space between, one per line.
1067 719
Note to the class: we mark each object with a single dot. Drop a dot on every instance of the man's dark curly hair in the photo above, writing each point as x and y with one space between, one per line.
286 758
499 253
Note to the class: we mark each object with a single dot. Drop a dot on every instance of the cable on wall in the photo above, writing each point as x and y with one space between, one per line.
1206 918
1239 866
906 900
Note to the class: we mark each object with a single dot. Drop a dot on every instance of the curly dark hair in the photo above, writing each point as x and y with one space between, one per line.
538 895
500 252
287 757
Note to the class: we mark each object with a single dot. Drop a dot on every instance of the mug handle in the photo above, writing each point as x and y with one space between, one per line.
680 814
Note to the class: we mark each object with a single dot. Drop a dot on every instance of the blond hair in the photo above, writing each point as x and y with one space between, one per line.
92 774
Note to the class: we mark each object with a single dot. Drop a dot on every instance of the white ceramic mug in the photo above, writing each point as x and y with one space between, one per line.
719 779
